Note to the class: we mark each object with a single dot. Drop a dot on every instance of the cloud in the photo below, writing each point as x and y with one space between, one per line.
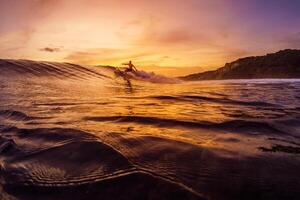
39 9
51 50
13 41
107 56
16 15
291 41
168 37
154 31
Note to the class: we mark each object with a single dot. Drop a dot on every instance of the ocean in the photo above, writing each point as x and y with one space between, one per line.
72 132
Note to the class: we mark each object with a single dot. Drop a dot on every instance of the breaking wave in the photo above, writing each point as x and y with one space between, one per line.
27 68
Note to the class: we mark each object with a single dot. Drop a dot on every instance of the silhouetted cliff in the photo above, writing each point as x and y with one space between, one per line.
282 64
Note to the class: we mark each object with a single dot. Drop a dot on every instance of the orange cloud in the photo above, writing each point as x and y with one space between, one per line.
151 30
107 56
14 41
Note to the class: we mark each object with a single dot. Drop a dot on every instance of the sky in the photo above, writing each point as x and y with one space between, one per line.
189 34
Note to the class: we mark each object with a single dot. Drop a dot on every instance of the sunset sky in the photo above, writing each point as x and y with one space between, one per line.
166 33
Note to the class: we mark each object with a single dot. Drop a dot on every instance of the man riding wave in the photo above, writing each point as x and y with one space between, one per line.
131 67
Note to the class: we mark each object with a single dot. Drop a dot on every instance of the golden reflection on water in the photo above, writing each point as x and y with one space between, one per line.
67 104
200 135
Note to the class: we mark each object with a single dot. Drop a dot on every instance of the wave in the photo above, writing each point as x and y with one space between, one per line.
281 148
215 100
244 126
71 160
141 75
17 115
27 68
59 163
39 69
154 78
202 169
132 186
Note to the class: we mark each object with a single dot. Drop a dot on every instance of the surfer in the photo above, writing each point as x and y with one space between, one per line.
131 67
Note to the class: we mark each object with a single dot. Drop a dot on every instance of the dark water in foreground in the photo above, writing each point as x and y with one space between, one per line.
85 136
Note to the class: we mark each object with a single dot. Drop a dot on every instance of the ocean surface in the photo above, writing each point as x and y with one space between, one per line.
72 132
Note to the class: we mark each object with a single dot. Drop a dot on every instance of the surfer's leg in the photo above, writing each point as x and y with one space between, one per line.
129 83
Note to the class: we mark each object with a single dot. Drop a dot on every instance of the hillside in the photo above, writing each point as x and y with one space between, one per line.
282 64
